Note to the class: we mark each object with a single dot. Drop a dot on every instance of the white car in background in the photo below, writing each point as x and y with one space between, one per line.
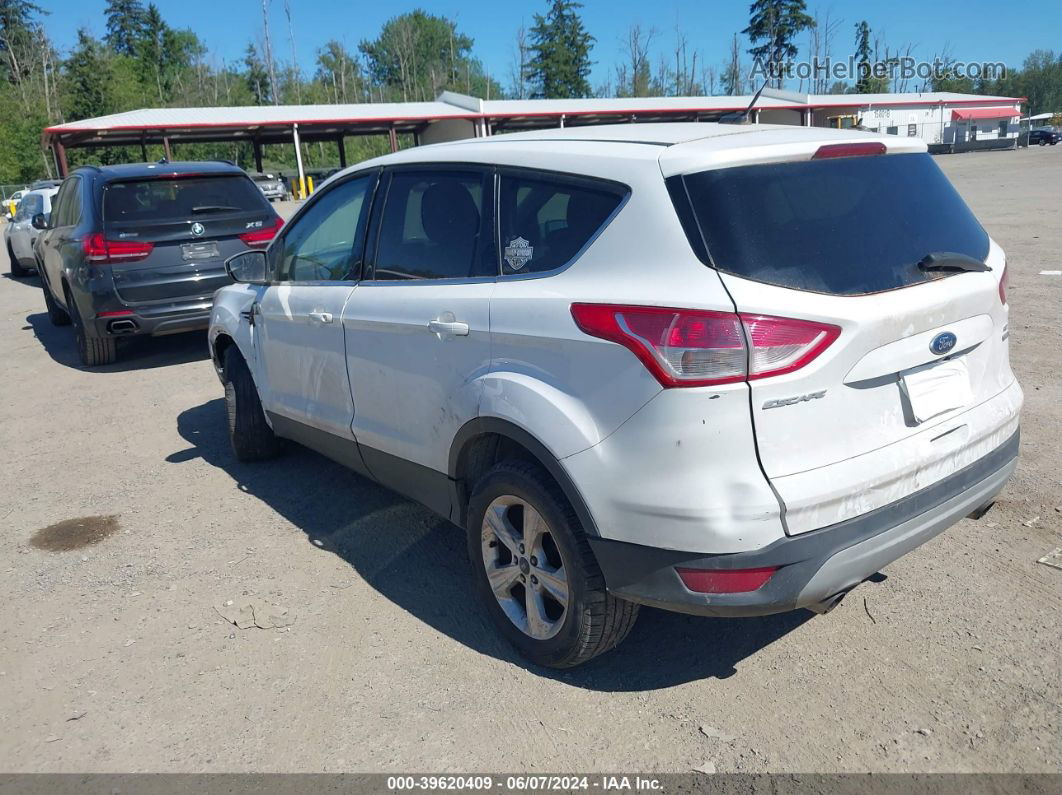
725 370
20 233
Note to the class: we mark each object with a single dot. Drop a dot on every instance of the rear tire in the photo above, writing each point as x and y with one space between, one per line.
94 351
250 436
56 314
564 616
16 267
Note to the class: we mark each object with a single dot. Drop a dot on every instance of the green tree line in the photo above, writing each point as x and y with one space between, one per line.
142 61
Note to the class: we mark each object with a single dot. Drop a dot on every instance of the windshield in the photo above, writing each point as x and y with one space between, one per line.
845 226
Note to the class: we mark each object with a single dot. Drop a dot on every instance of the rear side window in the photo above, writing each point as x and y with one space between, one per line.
68 211
547 221
844 226
433 226
160 200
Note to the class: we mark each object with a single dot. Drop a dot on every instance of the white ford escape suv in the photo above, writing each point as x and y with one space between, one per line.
726 370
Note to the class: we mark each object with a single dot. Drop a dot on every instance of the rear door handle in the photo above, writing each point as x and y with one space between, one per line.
449 327
321 317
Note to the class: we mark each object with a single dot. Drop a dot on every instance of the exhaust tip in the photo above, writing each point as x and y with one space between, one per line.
826 605
120 327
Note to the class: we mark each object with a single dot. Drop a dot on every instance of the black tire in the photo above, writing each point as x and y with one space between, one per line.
56 314
250 436
94 351
594 621
16 267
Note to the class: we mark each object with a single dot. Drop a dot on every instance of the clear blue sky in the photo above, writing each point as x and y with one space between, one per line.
973 29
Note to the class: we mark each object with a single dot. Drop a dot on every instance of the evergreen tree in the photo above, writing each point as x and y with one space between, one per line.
862 57
559 67
256 76
87 78
125 25
773 26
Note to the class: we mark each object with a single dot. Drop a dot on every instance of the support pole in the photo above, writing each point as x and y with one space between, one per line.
166 148
301 186
60 159
393 138
341 143
143 150
257 146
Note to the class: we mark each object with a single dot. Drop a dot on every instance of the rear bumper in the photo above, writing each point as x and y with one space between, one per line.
814 566
156 320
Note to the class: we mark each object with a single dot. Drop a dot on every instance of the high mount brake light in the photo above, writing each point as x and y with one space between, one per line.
849 150
101 251
262 237
695 347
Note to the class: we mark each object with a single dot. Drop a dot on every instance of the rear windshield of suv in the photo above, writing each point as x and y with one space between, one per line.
161 200
844 226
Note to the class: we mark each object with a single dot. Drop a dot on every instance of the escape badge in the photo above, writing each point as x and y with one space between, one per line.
518 253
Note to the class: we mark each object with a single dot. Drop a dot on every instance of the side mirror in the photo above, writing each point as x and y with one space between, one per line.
39 221
247 267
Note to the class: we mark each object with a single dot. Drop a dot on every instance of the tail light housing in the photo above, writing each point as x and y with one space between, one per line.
1003 285
725 580
260 238
694 347
100 251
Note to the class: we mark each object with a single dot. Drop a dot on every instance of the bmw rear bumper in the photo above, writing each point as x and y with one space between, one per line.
815 566
156 320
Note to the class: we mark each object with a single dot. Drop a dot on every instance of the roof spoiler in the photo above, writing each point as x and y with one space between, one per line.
743 117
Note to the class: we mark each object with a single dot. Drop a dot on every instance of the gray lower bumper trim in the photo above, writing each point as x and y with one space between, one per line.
851 566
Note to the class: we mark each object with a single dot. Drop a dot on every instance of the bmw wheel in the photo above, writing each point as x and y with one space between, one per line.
535 572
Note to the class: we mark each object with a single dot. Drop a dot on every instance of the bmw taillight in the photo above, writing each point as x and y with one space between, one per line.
695 347
264 236
100 251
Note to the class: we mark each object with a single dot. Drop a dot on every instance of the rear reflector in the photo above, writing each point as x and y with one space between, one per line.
262 237
725 580
116 313
114 252
696 347
849 150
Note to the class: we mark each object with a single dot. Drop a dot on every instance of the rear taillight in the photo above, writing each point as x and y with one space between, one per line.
725 580
1003 285
100 251
694 347
263 236
849 150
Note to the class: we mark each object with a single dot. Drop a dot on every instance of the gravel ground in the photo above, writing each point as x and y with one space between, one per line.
113 657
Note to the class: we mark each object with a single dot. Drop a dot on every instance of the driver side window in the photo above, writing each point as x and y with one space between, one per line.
326 244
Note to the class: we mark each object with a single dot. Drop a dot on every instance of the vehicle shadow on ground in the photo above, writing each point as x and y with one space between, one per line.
32 280
135 353
418 561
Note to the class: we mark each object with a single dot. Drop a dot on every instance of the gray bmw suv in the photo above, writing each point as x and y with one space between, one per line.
140 249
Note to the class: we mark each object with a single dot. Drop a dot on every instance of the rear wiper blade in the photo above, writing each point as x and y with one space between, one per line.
213 208
951 261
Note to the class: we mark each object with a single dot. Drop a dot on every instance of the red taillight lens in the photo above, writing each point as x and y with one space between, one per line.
725 580
694 347
101 251
263 236
782 344
849 150
1003 285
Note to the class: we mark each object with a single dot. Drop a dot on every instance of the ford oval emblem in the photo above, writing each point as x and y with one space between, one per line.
198 229
943 342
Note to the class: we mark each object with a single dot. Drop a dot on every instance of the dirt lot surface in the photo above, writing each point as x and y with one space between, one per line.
113 657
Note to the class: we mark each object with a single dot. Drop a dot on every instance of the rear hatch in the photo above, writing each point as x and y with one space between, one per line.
912 382
168 237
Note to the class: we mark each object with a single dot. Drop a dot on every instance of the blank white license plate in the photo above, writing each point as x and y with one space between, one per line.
199 251
936 388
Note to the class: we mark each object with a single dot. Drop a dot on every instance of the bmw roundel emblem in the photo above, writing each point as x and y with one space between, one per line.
198 229
943 342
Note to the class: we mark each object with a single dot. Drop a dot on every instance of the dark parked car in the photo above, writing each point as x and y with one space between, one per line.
140 249
1044 137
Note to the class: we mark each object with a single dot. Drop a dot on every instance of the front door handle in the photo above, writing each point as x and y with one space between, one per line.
450 327
321 317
